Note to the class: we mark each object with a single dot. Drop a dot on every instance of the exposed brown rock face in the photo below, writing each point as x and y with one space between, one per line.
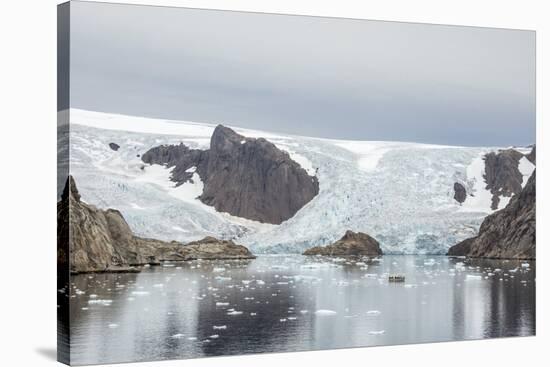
101 240
507 233
502 174
351 244
460 192
245 177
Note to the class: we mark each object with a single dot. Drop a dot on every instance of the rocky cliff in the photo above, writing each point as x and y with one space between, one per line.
533 155
101 240
245 177
351 244
502 174
507 233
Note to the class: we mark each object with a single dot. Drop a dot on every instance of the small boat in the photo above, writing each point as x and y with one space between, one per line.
395 278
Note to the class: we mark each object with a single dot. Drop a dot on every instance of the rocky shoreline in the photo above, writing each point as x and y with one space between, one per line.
92 240
509 233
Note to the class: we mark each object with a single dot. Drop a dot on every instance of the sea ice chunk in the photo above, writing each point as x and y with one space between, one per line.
325 313
234 313
377 332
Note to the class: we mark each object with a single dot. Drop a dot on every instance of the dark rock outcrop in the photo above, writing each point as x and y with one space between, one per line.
460 192
507 233
351 244
114 146
181 158
245 177
502 174
533 155
101 240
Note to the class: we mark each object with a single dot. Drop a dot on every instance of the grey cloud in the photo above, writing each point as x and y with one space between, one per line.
313 76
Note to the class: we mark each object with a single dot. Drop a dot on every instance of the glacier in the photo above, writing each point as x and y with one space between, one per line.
401 193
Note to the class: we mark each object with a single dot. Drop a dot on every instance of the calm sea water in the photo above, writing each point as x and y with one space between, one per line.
295 303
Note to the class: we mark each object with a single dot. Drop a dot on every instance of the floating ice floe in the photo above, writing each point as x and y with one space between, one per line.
221 327
222 279
218 270
304 312
222 304
235 313
525 265
104 302
325 313
373 313
377 332
215 336
260 282
113 326
192 338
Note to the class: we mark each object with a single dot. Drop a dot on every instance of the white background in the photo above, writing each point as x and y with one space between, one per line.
27 179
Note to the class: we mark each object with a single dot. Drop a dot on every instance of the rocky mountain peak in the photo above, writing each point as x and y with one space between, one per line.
225 139
245 177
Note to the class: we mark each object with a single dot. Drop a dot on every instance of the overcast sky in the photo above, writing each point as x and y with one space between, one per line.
326 77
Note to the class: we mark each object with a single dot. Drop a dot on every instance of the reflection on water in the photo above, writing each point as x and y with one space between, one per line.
292 303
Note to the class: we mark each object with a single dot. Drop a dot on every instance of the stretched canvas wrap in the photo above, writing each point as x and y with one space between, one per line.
237 183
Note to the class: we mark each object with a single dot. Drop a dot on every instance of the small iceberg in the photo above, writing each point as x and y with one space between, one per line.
104 302
378 332
235 313
325 313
